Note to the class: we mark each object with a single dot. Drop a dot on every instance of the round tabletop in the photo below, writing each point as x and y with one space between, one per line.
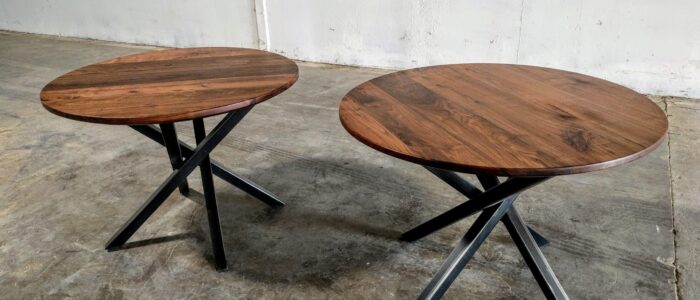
169 85
504 120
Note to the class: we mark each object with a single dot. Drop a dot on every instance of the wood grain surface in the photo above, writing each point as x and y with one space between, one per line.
169 85
505 120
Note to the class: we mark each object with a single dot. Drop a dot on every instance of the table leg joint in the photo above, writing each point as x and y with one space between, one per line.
495 205
218 169
198 157
477 203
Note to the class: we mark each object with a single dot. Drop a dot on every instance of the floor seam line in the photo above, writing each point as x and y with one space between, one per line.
676 274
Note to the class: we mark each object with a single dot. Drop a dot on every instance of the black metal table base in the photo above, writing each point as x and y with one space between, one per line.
184 159
496 205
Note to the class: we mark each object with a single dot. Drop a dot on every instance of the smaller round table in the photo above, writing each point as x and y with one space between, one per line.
167 86
522 122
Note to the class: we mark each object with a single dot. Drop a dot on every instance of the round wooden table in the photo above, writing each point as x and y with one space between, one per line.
522 122
167 86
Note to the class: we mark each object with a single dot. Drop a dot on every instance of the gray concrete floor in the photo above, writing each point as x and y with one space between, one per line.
626 233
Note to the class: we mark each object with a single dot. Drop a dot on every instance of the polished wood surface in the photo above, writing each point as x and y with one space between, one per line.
169 85
505 120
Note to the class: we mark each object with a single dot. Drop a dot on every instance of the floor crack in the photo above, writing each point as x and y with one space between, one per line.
673 211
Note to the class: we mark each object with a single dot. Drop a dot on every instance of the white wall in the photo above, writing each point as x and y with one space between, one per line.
649 45
179 23
395 33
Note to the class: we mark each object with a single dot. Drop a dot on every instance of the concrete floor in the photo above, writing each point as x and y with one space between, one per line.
631 232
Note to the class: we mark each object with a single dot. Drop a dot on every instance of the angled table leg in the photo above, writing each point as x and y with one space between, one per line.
503 195
469 191
173 148
176 178
465 209
218 169
527 243
488 182
465 249
548 282
217 241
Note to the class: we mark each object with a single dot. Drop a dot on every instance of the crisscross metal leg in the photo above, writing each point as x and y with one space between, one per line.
496 204
475 204
488 182
173 148
218 169
217 241
469 191
531 253
198 156
535 260
465 249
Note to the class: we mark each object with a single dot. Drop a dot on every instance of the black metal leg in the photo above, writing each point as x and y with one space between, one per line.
457 182
527 242
218 169
465 250
469 191
173 148
476 204
533 256
503 195
488 182
176 178
247 186
217 241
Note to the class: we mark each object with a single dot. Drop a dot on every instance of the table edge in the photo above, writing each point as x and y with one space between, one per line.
175 117
507 172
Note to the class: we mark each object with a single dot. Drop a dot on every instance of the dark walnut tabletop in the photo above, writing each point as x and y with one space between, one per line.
505 120
169 85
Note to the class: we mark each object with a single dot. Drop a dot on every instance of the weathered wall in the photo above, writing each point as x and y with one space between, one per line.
649 45
179 23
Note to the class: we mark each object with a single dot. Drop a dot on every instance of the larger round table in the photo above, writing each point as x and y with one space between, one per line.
167 86
522 122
